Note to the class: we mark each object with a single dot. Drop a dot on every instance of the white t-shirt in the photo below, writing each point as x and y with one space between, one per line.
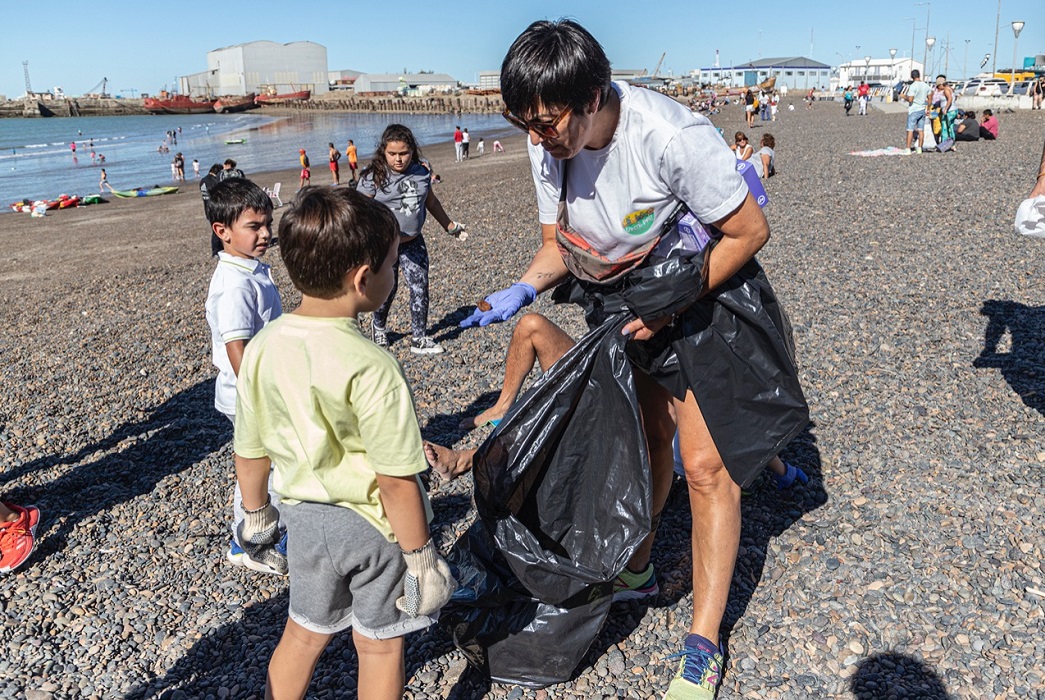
242 298
661 153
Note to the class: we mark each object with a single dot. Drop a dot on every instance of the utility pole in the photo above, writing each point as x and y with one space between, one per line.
994 56
947 55
928 11
965 63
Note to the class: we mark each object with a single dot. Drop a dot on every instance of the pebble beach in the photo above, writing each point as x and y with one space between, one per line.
911 566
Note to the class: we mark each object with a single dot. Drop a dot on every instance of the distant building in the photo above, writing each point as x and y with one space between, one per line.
413 84
878 70
627 74
489 80
260 66
342 79
795 73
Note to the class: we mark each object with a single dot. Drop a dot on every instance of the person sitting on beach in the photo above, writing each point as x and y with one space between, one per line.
968 129
989 126
335 414
765 159
103 183
241 300
306 170
229 169
17 535
741 146
536 339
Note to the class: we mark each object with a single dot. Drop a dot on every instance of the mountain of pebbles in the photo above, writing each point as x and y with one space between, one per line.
911 565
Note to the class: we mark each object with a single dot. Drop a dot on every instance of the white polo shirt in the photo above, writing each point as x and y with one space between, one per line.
242 298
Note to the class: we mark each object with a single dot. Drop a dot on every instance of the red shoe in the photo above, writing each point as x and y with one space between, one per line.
18 538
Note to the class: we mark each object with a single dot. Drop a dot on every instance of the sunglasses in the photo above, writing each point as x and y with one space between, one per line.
546 130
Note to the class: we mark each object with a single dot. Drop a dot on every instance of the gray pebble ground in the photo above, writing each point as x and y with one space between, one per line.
911 566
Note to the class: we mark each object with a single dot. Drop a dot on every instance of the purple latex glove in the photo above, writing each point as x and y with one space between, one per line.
505 304
754 182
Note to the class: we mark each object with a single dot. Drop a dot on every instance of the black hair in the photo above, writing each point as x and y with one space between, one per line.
915 73
329 231
378 167
228 199
970 114
215 169
229 162
554 64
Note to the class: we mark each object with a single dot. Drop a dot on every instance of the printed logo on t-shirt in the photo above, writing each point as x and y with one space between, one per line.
411 198
638 222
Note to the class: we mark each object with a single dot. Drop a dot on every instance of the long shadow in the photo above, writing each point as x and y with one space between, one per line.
1023 366
450 322
445 428
894 675
170 439
766 513
235 657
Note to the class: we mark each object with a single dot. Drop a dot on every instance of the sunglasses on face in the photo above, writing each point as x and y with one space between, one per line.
543 129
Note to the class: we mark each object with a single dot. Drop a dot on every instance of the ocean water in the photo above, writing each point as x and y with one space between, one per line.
36 161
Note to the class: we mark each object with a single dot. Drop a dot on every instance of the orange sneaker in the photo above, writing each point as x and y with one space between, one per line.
18 538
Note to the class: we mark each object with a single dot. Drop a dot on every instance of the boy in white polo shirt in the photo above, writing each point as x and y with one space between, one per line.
335 414
241 300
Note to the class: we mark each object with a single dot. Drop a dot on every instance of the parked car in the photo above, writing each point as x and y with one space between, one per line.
987 87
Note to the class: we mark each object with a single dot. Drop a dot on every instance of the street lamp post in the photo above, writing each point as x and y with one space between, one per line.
928 48
867 69
1017 27
892 65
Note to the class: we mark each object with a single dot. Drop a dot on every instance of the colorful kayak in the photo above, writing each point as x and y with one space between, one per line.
144 192
231 142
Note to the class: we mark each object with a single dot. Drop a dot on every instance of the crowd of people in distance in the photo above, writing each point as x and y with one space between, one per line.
937 104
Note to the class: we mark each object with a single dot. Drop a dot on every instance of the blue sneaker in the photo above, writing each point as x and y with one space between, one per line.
263 559
700 671
788 478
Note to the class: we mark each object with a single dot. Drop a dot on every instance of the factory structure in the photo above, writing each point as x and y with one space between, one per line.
793 73
260 67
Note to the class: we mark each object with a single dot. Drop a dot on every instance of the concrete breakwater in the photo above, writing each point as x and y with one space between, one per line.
71 107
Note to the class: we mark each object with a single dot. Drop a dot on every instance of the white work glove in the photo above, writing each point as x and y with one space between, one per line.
456 229
428 583
259 534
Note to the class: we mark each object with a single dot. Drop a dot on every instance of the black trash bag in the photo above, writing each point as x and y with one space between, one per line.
733 348
563 484
507 634
563 497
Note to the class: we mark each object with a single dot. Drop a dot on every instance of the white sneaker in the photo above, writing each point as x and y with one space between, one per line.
425 346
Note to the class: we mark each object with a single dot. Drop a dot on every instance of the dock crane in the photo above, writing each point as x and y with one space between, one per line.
656 71
99 89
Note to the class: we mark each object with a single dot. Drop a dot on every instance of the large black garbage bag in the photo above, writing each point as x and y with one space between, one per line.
733 348
505 632
562 493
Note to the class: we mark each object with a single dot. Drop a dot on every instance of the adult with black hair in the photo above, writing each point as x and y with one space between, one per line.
611 165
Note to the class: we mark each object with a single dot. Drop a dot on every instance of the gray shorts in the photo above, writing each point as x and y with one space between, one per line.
344 573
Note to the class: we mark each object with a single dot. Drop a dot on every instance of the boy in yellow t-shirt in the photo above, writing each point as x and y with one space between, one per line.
335 414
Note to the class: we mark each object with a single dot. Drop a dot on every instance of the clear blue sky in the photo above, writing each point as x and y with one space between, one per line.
144 45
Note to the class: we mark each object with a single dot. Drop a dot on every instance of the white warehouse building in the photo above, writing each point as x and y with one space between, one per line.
261 66
405 83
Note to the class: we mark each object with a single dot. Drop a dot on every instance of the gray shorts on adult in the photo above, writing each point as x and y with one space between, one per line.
344 573
916 120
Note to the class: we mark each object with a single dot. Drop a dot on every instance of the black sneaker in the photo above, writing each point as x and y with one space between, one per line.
425 346
380 336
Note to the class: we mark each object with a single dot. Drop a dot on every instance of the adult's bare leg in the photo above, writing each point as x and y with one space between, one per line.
714 500
535 339
659 426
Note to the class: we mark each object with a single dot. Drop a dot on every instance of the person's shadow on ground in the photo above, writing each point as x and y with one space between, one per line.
1022 364
169 440
894 675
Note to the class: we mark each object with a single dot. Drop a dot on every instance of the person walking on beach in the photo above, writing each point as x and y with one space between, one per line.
353 161
480 148
749 108
571 120
103 182
458 144
465 141
335 172
397 177
241 300
863 96
917 96
17 535
179 166
306 170
335 415
196 168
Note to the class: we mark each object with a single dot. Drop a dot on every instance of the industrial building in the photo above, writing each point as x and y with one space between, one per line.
260 66
795 73
410 84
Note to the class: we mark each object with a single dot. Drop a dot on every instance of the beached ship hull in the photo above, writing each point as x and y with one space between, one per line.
285 97
177 105
235 103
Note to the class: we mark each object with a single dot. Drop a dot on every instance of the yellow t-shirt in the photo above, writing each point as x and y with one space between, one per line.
331 410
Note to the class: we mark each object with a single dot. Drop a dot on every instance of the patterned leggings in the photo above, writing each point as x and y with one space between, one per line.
413 260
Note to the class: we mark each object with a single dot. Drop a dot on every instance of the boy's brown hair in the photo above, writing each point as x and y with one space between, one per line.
329 231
